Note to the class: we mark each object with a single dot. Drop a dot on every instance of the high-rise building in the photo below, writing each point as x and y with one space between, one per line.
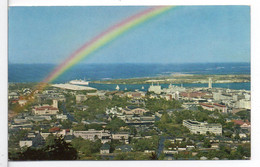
55 103
155 88
210 83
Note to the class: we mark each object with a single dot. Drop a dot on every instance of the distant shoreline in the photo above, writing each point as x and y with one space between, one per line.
109 72
174 78
180 78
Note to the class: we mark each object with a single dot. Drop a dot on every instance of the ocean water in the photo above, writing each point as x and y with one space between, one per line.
91 72
132 87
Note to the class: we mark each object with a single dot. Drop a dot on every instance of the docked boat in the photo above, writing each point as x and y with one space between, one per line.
79 82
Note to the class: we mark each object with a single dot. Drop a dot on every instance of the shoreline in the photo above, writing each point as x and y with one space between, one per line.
180 79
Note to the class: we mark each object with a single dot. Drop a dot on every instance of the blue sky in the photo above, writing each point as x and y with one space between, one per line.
187 34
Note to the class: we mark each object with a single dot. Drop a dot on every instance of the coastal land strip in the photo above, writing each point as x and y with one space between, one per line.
179 78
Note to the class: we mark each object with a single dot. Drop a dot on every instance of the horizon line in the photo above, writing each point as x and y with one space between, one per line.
93 63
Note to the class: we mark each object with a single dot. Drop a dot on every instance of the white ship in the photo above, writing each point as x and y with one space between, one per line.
79 82
117 87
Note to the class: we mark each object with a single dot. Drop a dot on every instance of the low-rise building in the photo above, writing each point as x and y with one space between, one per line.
105 149
243 103
92 134
22 102
62 116
202 127
123 137
133 110
243 124
220 107
214 106
135 95
25 143
32 139
13 95
124 148
155 88
207 107
45 110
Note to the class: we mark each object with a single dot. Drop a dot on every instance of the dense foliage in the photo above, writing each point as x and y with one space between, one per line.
86 147
54 149
161 104
145 144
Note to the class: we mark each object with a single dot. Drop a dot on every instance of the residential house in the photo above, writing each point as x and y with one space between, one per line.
124 148
105 149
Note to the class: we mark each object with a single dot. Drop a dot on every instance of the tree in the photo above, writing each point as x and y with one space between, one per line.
145 144
94 126
15 137
237 136
60 150
79 126
66 124
206 143
245 115
56 150
50 140
165 118
86 147
32 154
115 124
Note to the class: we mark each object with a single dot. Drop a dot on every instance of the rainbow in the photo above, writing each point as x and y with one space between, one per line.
92 46
104 38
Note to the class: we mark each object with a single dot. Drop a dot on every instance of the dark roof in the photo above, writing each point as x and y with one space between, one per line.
69 137
132 107
105 147
124 148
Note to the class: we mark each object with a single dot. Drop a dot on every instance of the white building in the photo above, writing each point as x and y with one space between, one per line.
61 116
121 137
25 143
155 88
55 103
13 95
22 102
91 134
202 127
210 83
174 89
243 103
45 110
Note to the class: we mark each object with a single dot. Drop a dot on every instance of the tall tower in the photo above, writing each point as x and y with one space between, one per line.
55 103
210 83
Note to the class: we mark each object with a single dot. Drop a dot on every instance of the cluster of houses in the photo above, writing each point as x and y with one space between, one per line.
37 138
132 115
212 99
